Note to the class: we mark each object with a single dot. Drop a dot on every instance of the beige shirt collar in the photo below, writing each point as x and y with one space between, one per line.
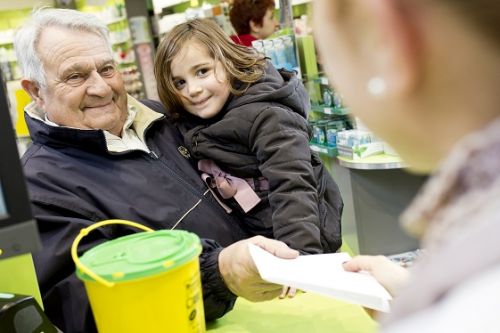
138 120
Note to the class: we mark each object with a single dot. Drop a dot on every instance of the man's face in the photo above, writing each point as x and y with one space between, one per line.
269 24
83 86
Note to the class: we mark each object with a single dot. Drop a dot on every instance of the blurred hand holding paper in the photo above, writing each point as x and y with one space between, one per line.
322 274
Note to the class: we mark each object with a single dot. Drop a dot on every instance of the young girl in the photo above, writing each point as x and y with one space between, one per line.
242 118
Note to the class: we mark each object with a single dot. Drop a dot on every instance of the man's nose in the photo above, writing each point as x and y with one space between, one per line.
98 86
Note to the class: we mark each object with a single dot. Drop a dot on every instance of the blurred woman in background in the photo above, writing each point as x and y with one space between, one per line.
252 20
425 75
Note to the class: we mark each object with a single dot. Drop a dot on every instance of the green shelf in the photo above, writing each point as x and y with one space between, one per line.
330 110
116 20
324 150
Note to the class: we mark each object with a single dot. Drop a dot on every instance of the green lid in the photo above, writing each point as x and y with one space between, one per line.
140 255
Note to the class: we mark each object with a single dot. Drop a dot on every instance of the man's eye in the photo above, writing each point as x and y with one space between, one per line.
75 78
108 71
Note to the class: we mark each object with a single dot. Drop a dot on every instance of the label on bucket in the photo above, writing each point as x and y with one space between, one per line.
193 300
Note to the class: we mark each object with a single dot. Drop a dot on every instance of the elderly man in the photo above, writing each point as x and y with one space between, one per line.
99 154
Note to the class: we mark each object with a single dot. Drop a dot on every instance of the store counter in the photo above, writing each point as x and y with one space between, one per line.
21 278
377 162
375 191
306 312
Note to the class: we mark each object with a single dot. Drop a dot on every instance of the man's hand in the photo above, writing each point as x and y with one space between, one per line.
388 274
240 274
288 292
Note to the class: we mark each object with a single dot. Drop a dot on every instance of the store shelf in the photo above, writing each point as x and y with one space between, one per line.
121 41
330 110
116 20
24 4
158 5
6 42
299 2
323 80
127 63
294 3
324 150
377 162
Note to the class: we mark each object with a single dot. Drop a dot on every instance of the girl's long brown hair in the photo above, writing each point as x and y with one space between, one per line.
242 64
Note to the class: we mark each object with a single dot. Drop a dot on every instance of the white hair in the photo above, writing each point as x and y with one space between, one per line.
28 36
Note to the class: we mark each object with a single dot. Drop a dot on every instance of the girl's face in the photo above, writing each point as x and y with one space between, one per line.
201 82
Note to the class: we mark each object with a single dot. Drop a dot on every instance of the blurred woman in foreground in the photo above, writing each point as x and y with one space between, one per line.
425 76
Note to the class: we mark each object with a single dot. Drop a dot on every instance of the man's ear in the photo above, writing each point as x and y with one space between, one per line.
395 53
254 27
33 89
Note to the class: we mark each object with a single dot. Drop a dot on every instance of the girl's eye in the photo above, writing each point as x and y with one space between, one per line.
202 71
179 84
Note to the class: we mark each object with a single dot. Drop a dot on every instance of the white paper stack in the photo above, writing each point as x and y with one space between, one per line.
322 274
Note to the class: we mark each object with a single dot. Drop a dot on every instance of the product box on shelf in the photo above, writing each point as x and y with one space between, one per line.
388 150
324 131
356 144
280 51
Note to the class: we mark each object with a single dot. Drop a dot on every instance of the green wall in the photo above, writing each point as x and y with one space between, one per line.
11 19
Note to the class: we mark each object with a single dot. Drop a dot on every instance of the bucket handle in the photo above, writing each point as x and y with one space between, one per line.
84 232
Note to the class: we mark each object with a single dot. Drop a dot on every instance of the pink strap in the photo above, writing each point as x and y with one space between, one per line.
228 186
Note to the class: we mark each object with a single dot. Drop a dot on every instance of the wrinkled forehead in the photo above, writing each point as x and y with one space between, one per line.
57 44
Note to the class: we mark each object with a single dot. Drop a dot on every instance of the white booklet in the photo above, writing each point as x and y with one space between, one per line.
322 274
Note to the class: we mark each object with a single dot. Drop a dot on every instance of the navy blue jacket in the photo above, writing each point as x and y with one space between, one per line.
74 181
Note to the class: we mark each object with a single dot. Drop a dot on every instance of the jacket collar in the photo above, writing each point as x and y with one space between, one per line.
278 86
44 133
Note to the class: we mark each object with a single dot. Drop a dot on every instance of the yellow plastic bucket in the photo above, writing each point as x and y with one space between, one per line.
144 282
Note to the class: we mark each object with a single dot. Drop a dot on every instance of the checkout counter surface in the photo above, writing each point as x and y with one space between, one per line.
305 312
377 162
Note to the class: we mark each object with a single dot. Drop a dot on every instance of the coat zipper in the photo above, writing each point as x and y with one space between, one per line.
153 155
193 190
